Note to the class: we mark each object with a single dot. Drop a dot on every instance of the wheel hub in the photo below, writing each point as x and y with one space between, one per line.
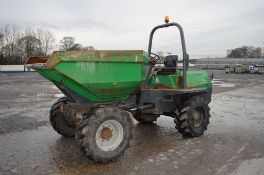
106 133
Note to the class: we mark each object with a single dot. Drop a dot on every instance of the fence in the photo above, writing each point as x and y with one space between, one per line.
12 68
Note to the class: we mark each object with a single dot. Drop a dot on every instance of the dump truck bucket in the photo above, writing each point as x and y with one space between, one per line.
96 76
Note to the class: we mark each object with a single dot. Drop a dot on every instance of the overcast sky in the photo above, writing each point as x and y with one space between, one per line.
211 26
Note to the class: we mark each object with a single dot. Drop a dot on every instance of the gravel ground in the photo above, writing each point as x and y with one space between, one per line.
232 145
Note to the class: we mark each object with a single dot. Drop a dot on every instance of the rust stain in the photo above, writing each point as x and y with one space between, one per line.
160 86
179 80
106 133
103 53
105 91
120 54
37 59
51 63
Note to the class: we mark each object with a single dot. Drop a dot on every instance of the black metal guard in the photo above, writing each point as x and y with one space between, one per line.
185 55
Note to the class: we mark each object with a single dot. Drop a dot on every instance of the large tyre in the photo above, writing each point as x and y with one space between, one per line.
193 118
58 121
105 134
145 118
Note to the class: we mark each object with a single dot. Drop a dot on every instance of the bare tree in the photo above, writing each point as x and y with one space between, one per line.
10 36
46 39
1 45
1 39
29 44
242 52
76 47
88 48
16 44
251 52
67 43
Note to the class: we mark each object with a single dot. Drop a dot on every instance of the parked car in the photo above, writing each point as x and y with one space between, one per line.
261 69
229 69
240 69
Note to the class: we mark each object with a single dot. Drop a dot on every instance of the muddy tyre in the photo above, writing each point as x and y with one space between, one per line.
193 118
105 134
58 121
145 118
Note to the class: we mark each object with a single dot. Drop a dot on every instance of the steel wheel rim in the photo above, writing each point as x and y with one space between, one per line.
109 135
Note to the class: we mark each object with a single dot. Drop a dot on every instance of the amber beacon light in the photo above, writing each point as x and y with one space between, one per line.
167 19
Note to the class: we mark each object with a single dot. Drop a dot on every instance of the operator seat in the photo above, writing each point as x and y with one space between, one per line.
170 65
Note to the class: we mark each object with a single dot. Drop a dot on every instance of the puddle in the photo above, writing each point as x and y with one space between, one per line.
58 95
220 83
4 75
216 81
42 94
254 166
54 87
225 85
165 121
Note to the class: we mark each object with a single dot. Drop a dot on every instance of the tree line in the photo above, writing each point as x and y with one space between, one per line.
17 44
244 52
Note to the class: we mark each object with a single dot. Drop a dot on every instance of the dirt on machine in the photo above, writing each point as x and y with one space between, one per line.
105 89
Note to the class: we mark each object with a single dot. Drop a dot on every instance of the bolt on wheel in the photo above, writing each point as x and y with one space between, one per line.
109 135
106 134
193 118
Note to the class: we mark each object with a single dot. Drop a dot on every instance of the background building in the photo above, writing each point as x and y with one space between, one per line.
219 63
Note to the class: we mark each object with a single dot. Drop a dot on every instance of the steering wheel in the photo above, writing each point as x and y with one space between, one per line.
154 58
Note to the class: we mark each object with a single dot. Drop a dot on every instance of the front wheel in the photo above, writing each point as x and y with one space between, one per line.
193 118
105 135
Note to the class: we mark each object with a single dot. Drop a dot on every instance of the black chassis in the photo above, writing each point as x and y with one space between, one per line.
161 101
147 101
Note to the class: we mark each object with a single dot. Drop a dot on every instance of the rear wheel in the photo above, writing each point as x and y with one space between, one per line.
58 121
193 118
105 135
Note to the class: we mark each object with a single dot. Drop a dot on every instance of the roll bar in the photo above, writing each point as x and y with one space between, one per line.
185 55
